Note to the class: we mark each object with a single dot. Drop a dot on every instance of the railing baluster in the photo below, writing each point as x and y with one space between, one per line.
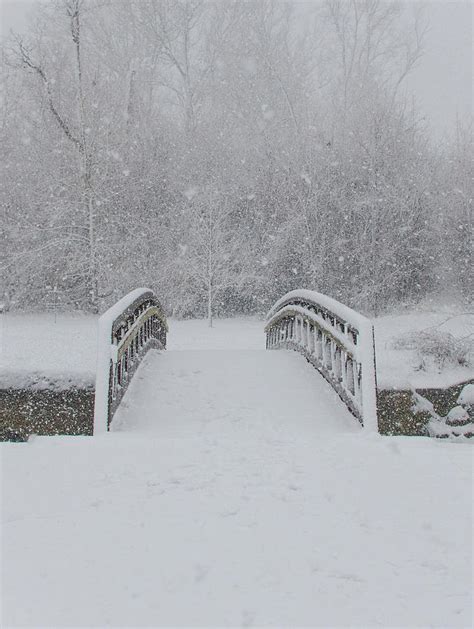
311 339
337 362
343 364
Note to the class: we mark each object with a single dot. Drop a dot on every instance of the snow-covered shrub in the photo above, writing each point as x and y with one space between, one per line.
457 423
433 424
466 397
457 416
466 400
440 349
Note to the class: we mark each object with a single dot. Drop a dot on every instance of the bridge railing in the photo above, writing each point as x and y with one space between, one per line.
335 339
126 332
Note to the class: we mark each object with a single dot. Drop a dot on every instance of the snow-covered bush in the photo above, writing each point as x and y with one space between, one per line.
457 416
466 397
466 400
457 423
437 348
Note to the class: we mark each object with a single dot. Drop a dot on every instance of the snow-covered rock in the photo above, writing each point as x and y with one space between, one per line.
466 397
457 423
457 416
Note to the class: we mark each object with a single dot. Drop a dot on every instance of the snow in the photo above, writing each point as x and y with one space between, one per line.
355 350
50 380
457 416
363 352
116 310
36 348
104 347
206 530
235 490
41 350
445 429
341 310
38 352
227 391
422 405
399 368
237 333
466 397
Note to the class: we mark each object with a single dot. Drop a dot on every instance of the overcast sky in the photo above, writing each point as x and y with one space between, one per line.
442 83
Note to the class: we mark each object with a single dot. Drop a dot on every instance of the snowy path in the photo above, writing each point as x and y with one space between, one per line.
235 490
244 394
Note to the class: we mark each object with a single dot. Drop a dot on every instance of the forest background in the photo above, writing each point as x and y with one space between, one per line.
223 153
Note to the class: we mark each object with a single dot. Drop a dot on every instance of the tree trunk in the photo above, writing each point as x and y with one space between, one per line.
209 304
92 286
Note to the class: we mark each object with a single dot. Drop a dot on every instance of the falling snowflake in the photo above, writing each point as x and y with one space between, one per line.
191 192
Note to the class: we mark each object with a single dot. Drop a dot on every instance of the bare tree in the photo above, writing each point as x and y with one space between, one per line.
75 132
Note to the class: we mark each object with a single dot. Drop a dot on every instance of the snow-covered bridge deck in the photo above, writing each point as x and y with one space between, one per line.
254 393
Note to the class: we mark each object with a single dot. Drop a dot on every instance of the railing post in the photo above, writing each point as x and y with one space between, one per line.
306 333
369 380
344 368
337 363
311 339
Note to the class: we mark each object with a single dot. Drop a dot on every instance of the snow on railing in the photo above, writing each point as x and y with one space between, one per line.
335 339
126 332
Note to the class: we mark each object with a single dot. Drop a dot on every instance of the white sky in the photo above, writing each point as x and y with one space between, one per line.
442 83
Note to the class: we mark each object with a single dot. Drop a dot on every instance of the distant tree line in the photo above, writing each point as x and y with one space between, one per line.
223 153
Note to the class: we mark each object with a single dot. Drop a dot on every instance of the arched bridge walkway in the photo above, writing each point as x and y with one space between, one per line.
214 394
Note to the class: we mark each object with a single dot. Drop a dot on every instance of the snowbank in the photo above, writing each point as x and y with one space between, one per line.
34 348
399 368
46 380
198 528
41 351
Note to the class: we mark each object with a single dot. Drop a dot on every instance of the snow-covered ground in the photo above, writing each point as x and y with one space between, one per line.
238 333
399 368
235 490
39 349
36 349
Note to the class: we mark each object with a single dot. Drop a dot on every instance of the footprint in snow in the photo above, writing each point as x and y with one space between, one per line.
248 618
228 514
200 572
346 577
